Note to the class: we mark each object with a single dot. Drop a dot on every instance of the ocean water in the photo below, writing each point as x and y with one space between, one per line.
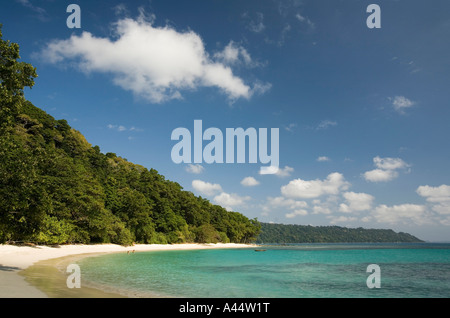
292 271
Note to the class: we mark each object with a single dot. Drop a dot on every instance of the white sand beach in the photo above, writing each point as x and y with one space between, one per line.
14 259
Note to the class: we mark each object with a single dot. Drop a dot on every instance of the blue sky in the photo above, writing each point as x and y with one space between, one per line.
362 113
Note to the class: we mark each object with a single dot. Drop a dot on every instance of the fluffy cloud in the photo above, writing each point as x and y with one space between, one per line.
121 128
356 202
386 169
229 201
249 182
403 213
323 158
226 200
389 163
296 207
277 202
299 188
435 194
281 172
300 212
439 197
442 209
206 188
195 169
233 54
379 175
341 219
285 172
321 209
437 211
155 63
117 127
400 103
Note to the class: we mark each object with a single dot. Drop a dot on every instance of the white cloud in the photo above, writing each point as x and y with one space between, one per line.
379 175
404 213
400 103
295 213
442 208
269 170
327 206
230 54
155 63
195 169
321 209
260 88
229 201
206 187
121 128
386 169
285 172
435 194
275 204
299 188
233 54
249 182
280 172
282 202
356 202
120 9
439 197
323 158
341 219
389 163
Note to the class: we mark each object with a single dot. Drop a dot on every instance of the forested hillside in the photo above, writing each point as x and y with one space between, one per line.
56 188
289 233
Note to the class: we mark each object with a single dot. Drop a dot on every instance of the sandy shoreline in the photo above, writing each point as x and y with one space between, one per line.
15 260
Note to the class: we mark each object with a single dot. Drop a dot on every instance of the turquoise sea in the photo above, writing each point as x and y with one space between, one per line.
288 271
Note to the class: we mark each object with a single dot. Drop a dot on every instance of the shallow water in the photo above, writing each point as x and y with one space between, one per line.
300 271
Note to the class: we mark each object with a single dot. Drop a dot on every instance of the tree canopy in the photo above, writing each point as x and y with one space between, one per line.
290 233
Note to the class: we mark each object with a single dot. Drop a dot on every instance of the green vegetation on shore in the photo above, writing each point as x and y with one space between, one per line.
56 188
289 233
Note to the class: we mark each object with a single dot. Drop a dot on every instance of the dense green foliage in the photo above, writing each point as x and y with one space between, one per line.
288 233
56 188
